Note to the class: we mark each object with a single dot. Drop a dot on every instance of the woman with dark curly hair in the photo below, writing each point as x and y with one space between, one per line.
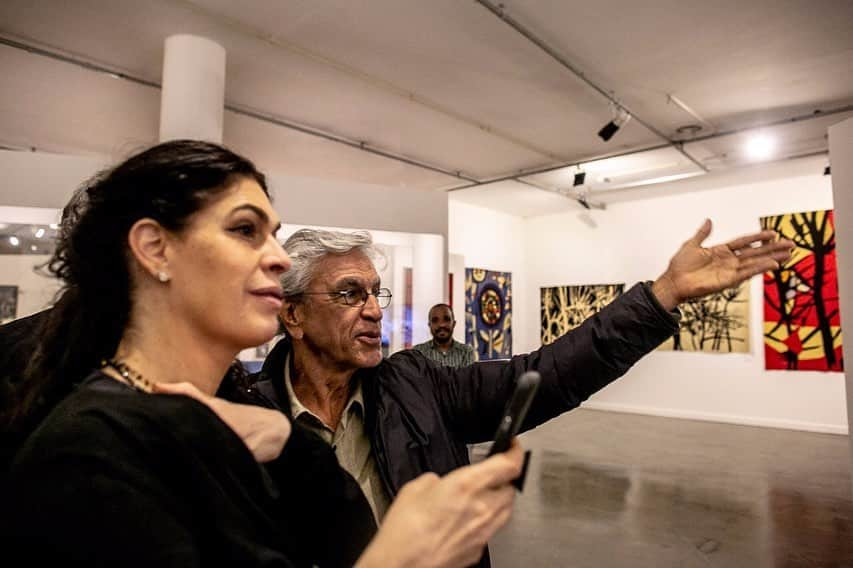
144 455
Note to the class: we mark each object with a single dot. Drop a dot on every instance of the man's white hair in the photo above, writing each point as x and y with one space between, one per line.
307 247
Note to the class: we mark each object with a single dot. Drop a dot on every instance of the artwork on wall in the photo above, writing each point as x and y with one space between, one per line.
564 308
408 303
802 323
8 303
718 323
488 313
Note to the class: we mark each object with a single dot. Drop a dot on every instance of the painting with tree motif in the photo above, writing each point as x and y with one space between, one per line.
564 308
718 323
802 323
488 313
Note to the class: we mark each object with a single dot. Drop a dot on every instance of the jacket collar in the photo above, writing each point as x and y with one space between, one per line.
270 382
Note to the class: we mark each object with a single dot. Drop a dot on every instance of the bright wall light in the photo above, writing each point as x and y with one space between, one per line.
760 147
40 233
14 241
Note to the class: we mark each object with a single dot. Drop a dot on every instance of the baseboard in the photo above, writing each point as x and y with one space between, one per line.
724 418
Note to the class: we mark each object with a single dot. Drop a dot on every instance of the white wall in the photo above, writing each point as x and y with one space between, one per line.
841 153
35 291
37 185
632 242
491 240
38 179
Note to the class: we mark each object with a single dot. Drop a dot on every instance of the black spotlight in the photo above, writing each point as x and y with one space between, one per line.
580 177
607 132
826 171
621 117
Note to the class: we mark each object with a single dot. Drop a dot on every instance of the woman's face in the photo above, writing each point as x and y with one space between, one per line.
225 267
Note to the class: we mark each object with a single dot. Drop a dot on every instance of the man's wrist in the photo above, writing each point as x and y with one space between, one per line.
664 290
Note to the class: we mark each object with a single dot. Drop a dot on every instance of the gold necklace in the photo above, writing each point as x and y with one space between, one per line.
131 377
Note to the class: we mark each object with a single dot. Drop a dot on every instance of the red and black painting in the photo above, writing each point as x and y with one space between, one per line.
802 322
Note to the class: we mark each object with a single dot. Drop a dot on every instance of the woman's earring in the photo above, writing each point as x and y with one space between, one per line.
163 277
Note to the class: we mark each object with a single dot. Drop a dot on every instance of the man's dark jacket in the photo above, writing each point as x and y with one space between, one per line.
420 416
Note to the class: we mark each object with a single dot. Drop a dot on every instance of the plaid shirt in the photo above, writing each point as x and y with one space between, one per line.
459 354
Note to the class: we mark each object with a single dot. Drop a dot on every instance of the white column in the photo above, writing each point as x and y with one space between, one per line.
456 265
428 281
841 164
192 103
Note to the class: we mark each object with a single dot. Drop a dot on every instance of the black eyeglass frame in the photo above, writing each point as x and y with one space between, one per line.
357 297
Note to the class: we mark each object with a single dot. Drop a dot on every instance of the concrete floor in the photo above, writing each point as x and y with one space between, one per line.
611 489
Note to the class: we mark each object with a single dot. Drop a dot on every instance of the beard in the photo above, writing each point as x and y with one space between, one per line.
443 339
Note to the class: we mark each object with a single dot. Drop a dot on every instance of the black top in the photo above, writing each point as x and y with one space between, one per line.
115 477
18 340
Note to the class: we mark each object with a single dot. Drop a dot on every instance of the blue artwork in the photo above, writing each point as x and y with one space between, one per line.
488 313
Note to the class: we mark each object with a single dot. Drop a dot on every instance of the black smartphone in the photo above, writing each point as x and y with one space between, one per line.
515 411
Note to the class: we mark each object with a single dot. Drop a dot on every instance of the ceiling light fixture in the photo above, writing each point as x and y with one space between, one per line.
620 119
14 241
40 233
760 147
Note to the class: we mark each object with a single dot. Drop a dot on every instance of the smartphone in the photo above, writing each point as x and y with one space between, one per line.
515 411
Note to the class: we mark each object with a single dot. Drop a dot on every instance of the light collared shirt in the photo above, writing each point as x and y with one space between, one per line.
349 442
459 354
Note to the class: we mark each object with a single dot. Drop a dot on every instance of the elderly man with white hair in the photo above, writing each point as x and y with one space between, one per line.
389 420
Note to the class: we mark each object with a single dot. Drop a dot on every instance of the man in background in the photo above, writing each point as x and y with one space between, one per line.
442 348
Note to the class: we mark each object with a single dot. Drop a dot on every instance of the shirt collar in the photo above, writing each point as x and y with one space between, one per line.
434 346
355 402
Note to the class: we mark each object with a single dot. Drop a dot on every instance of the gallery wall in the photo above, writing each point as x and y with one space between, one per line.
493 241
38 184
632 241
35 290
37 179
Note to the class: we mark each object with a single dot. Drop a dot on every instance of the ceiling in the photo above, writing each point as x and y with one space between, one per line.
445 94
20 238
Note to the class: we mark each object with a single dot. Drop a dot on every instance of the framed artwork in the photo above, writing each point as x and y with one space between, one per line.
407 308
802 322
488 313
8 303
563 308
718 323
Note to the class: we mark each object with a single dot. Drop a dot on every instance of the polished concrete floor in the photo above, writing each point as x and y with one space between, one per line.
611 489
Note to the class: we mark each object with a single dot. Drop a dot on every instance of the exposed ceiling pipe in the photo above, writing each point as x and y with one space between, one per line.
499 11
670 98
363 146
245 111
819 113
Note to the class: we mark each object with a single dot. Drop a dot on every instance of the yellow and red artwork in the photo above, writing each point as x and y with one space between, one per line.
802 323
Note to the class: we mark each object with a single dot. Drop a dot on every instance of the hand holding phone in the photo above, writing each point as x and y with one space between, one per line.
513 417
515 411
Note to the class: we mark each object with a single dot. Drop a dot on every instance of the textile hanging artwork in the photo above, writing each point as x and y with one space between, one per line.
488 313
718 323
407 307
564 308
802 323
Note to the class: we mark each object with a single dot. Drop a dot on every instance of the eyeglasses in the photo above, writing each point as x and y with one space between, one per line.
357 297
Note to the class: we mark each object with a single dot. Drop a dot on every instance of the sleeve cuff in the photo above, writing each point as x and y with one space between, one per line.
674 315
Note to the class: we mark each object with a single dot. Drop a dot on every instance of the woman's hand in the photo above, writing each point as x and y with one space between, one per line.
264 431
447 521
